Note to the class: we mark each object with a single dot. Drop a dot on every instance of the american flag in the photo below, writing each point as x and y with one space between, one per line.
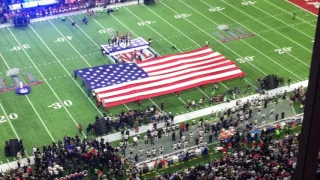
122 83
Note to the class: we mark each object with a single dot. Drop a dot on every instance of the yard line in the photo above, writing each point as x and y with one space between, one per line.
44 125
136 36
168 40
198 45
267 26
85 34
45 81
263 37
5 114
157 33
267 1
229 48
294 111
274 18
76 49
64 68
101 25
301 8
189 39
69 43
31 106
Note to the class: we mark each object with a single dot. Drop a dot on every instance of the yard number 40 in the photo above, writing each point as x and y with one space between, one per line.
58 105
18 48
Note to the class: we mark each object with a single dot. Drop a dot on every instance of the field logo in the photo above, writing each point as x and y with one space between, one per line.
144 54
315 4
14 75
226 34
309 5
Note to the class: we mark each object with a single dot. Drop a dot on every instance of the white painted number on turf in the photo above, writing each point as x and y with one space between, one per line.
108 30
12 116
248 3
245 59
18 48
283 50
61 39
143 23
179 16
215 9
58 105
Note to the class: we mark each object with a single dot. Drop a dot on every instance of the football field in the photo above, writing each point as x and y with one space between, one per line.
52 49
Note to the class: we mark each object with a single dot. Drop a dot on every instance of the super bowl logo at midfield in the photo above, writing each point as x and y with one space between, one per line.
142 55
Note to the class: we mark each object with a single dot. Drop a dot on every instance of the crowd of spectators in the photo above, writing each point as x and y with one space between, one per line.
60 7
71 159
132 119
271 159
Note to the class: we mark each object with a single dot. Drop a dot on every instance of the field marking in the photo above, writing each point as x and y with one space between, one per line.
64 68
302 8
218 40
155 32
289 13
294 111
275 18
263 37
240 39
69 43
264 25
46 82
101 25
8 119
85 33
136 36
198 45
31 106
77 50
29 103
181 33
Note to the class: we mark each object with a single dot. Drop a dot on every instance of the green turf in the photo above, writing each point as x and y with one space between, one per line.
53 62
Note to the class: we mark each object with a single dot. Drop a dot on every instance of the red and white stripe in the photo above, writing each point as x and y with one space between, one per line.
170 74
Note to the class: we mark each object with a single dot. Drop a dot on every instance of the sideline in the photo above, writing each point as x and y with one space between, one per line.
73 13
177 119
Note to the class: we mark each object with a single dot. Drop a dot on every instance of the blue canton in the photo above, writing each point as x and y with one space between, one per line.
108 75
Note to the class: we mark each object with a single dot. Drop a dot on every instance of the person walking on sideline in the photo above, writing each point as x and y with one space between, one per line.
80 128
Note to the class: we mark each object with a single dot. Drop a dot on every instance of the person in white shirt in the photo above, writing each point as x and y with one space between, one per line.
141 152
148 154
183 138
174 147
165 131
179 145
161 150
126 138
156 135
131 152
271 111
185 144
154 152
191 136
121 143
200 139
